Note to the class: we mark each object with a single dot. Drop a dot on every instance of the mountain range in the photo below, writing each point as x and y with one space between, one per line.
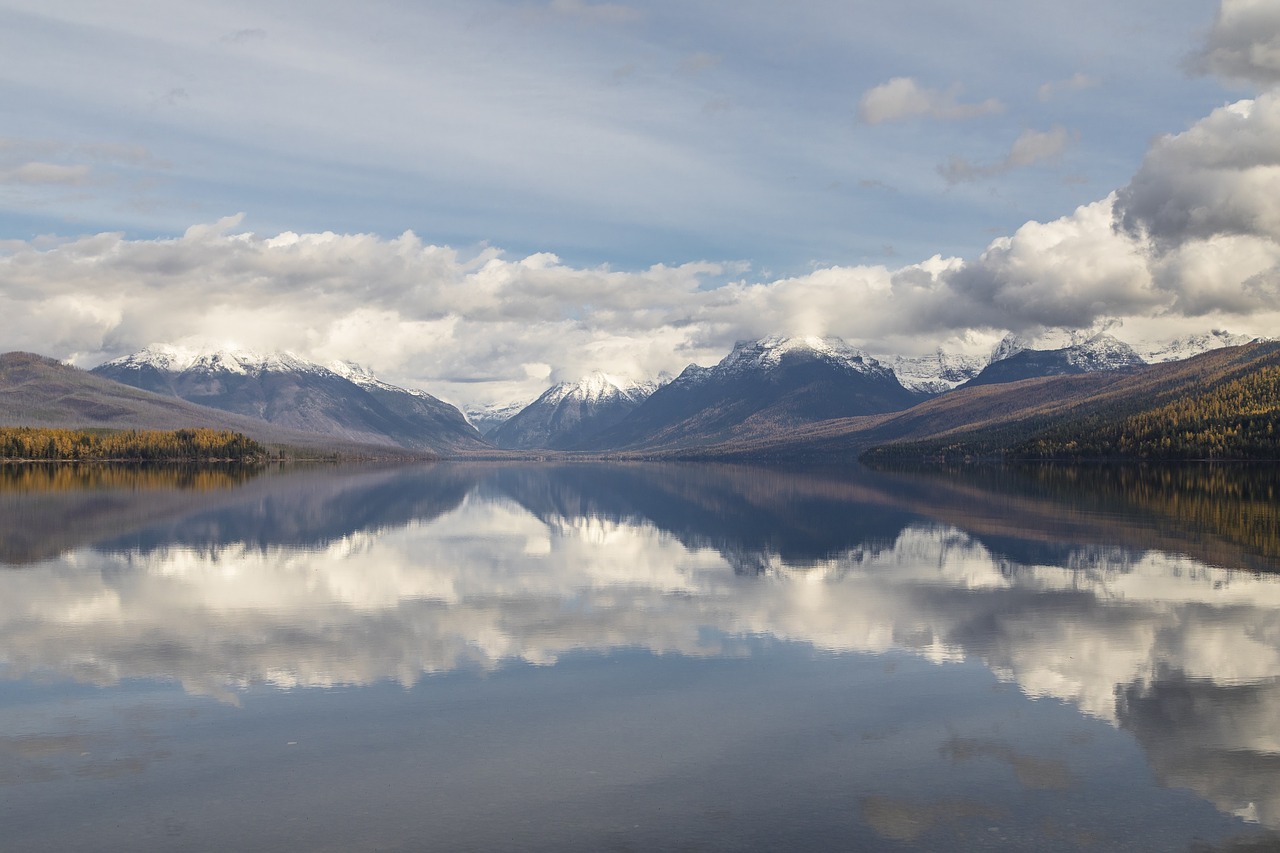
777 396
340 400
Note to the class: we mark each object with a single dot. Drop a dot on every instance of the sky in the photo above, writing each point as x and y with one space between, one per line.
480 198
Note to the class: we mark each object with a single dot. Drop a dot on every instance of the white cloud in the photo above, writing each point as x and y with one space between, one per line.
1208 202
1031 147
903 98
1244 44
1221 177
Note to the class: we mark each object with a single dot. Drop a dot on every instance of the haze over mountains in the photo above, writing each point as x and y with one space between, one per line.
775 396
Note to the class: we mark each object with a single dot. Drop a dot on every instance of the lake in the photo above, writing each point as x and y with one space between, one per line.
563 657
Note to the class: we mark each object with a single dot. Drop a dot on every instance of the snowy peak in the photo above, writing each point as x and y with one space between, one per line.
1010 345
342 400
1102 352
599 386
571 412
168 358
936 373
1180 349
768 353
488 417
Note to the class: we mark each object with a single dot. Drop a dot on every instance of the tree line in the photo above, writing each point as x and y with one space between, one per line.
1239 419
58 445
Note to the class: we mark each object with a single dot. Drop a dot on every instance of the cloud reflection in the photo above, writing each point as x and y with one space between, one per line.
472 568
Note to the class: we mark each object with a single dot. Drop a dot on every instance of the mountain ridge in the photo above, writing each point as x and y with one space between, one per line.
348 402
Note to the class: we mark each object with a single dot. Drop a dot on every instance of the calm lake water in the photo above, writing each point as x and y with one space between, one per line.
639 657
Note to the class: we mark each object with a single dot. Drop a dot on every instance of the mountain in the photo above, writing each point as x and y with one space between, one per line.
342 401
1180 349
1012 362
936 373
571 413
766 385
487 418
42 392
1223 400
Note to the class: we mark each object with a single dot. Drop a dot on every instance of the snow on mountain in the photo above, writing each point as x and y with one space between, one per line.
768 353
177 359
598 386
1009 345
1179 349
1102 352
486 418
936 373
763 385
342 400
570 412
1095 353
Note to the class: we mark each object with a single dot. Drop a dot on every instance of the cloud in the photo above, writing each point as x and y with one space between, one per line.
1244 44
1076 83
1194 234
1069 272
1208 203
1030 148
903 98
1221 177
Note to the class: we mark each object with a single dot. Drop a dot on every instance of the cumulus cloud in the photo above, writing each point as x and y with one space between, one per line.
1244 44
1208 202
1031 147
1221 177
1194 234
903 98
1068 272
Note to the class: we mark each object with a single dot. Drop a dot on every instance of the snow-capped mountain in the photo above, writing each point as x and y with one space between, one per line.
774 381
488 417
769 353
1179 349
342 400
571 412
1013 361
1010 344
936 373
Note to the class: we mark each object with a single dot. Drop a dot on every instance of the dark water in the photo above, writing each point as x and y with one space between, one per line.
588 657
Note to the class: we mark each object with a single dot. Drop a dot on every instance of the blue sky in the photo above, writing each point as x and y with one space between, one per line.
748 144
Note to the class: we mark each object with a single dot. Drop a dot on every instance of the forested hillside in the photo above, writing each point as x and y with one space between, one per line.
1220 405
186 445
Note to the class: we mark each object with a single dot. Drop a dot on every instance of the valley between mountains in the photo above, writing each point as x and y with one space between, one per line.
1214 396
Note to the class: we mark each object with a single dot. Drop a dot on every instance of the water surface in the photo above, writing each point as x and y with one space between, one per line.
635 657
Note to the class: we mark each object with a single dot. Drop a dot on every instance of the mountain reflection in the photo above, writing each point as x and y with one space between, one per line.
1134 594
